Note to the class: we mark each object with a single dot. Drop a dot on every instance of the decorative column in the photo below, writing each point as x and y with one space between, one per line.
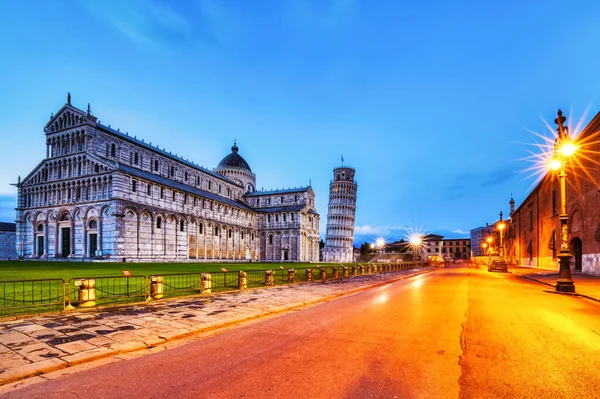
84 239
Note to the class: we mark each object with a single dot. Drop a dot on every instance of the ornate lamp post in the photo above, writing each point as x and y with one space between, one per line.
563 149
489 242
501 227
484 245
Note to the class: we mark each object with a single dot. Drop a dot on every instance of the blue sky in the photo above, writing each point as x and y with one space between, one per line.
430 101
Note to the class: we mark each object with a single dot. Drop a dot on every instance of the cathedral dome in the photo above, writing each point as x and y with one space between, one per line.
234 160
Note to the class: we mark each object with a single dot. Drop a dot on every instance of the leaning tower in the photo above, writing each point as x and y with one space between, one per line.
340 216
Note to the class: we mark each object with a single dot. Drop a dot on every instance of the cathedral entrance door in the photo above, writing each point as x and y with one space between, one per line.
93 244
40 246
285 254
66 242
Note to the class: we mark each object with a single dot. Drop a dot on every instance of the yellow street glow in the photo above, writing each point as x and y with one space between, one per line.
380 243
501 226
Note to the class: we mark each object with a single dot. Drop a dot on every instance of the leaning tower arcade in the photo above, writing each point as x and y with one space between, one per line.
340 216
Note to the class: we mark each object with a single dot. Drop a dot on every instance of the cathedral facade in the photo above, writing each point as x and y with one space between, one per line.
100 193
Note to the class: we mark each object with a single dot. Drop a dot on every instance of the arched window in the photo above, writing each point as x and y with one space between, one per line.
200 228
181 225
93 224
158 222
40 228
113 150
242 234
270 239
216 231
64 217
230 233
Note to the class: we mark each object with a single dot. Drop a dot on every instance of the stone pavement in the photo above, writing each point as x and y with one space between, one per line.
43 344
586 285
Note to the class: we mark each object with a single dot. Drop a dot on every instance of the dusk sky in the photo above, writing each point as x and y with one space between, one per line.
430 101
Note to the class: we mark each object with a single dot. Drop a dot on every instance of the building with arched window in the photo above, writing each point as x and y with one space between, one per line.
102 193
532 234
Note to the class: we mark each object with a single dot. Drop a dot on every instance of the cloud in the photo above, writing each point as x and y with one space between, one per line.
459 231
148 22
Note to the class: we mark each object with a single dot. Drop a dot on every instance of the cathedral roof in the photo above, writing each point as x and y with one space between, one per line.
142 174
280 191
234 160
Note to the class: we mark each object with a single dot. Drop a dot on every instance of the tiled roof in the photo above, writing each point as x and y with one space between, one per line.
142 174
8 226
313 211
163 152
282 191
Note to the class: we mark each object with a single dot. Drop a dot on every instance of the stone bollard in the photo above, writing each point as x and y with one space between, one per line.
157 288
205 283
242 280
291 275
309 275
269 277
362 269
336 272
346 271
368 269
87 293
354 270
323 272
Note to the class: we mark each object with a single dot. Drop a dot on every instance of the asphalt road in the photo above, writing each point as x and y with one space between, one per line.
452 333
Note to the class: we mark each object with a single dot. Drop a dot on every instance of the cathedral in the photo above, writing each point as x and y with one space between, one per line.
101 193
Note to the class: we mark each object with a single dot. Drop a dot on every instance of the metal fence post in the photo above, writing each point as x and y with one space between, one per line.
291 275
157 287
336 272
269 277
87 293
205 283
242 280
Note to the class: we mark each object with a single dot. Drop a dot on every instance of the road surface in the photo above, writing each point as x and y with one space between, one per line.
453 333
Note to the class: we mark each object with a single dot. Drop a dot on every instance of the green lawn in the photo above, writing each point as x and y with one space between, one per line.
16 270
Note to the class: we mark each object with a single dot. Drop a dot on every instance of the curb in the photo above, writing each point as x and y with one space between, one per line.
192 332
573 294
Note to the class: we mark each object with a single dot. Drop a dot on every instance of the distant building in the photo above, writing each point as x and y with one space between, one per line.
103 193
478 237
339 238
8 241
533 231
456 248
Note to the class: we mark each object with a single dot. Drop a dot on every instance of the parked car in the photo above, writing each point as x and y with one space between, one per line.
498 265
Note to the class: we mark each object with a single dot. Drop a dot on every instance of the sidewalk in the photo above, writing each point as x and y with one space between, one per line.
587 286
43 344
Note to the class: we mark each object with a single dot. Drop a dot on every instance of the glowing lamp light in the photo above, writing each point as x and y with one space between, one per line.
568 149
554 164
501 226
380 242
415 240
489 240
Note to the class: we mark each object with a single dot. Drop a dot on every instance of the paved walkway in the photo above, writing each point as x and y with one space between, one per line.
585 285
43 344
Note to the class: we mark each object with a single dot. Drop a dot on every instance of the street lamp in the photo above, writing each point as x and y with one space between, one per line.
501 227
489 242
484 245
380 242
563 149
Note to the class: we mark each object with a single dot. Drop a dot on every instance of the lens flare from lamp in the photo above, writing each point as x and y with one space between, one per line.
568 149
380 242
554 164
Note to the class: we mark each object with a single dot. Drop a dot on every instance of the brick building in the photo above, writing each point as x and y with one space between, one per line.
533 233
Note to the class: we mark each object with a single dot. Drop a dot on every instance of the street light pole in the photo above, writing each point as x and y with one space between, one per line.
563 147
501 227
